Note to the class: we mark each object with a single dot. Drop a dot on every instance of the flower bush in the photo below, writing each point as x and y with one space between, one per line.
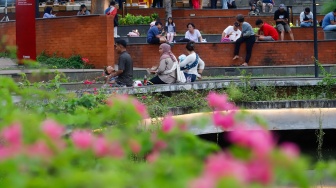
46 143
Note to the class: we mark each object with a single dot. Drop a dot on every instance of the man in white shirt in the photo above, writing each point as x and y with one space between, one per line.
231 33
306 18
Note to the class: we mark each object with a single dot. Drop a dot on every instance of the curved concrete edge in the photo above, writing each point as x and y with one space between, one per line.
277 119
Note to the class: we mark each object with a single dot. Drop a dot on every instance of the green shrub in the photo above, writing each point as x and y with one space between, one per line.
55 61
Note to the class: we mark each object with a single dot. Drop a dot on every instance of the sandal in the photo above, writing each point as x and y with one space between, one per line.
244 65
235 57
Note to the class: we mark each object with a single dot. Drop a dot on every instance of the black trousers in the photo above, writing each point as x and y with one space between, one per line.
213 4
156 80
233 5
249 45
157 2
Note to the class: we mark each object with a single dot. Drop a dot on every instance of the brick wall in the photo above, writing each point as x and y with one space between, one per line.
89 36
221 54
92 37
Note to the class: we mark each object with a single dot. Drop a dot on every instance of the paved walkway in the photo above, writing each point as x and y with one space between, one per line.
7 63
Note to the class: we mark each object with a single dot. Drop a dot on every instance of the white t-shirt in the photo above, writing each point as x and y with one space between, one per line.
235 34
191 59
194 37
302 16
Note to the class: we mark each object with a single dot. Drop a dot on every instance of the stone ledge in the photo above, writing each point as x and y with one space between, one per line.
80 88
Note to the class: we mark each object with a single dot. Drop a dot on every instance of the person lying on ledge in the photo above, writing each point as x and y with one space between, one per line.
166 72
192 65
154 36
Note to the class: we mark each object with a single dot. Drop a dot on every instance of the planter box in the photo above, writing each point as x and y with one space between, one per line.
55 8
11 9
62 8
69 8
41 9
329 35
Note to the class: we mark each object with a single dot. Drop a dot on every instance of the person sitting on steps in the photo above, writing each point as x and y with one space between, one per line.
247 36
281 18
154 36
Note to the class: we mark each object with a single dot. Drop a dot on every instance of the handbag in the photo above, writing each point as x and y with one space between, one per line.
180 77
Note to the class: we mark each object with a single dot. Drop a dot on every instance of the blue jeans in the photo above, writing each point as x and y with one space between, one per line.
224 4
329 28
192 76
306 24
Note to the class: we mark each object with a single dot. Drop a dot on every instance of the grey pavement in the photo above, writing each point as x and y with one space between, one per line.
7 63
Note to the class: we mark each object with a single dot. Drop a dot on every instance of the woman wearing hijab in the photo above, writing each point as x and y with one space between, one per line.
166 72
47 13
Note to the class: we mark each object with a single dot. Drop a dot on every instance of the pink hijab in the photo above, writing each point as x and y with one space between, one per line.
167 52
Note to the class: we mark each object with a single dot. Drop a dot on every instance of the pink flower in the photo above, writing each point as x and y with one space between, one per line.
87 82
260 171
140 108
223 121
135 146
101 147
52 129
168 123
290 149
220 102
203 182
82 139
85 60
159 145
260 141
39 149
221 165
116 150
94 89
152 157
12 135
144 97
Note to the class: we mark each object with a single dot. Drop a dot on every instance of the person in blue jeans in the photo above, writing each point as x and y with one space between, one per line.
192 65
329 21
306 18
225 4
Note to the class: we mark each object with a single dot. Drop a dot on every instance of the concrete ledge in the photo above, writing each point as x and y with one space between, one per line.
329 35
277 119
80 88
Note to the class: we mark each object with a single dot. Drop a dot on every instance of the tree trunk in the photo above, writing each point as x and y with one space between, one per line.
168 9
99 6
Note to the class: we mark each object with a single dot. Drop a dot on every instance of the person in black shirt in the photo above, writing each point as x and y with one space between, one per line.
125 66
281 18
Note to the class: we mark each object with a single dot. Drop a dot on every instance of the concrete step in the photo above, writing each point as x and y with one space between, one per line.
79 75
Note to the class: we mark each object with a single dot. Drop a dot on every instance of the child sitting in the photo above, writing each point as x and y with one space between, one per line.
254 11
108 75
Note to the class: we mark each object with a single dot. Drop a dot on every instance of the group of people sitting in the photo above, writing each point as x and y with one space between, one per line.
186 68
157 34
48 12
168 70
